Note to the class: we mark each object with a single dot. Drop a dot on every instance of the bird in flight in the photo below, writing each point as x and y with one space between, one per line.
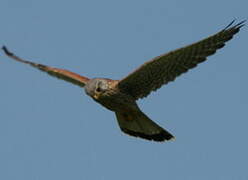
120 96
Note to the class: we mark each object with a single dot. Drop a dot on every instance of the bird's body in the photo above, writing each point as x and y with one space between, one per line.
110 97
129 116
120 96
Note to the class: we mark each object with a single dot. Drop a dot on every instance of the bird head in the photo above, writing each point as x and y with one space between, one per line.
95 87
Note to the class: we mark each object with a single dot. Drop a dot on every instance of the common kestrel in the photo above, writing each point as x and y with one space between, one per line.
120 96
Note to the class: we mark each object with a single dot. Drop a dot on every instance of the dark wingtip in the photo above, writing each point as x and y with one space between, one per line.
241 24
229 25
6 51
237 26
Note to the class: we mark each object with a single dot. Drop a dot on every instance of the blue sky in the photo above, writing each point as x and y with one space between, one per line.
50 129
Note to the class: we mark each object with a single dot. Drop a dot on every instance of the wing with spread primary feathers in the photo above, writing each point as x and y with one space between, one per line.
165 68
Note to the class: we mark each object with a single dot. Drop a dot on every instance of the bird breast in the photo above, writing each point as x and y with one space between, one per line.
115 100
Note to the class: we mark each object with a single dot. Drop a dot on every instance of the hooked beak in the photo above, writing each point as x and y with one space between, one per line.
96 96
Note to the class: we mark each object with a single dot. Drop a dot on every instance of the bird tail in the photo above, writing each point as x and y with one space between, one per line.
139 125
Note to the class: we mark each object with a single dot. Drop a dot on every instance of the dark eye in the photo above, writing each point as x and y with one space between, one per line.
98 89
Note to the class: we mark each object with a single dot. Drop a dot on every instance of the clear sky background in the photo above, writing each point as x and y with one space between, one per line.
50 129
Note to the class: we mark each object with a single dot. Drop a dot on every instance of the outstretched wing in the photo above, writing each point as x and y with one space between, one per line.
59 73
165 68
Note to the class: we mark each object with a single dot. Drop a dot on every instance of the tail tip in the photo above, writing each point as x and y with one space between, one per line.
159 137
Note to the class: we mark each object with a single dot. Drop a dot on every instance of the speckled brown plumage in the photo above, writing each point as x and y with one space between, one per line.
120 96
165 68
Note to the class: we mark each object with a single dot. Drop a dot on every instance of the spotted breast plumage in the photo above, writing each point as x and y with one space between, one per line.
120 96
